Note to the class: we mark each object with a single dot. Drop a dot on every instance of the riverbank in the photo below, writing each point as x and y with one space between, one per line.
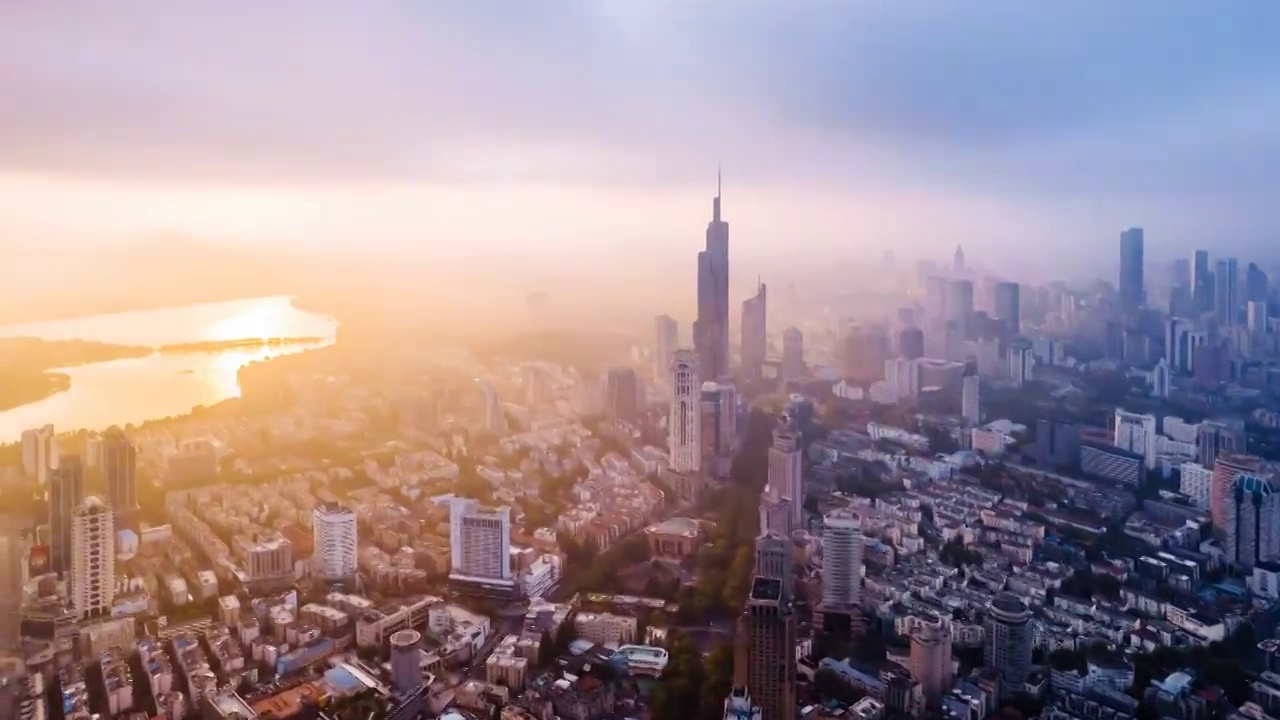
25 365
28 365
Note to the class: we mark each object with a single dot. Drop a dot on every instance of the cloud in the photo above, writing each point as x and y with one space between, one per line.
1151 106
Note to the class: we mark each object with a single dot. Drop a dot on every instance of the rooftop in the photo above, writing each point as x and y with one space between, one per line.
676 526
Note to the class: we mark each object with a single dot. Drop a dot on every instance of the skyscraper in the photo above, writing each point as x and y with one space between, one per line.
1008 307
684 424
711 329
334 532
1226 468
66 491
621 401
120 469
1201 281
755 343
770 630
1008 643
1226 301
957 261
1132 293
1253 521
785 467
666 338
792 354
92 580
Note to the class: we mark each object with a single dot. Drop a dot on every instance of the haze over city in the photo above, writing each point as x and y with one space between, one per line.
653 359
525 134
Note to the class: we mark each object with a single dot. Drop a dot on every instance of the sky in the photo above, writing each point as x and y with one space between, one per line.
535 131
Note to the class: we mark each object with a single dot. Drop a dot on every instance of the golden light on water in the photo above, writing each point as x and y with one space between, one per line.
256 322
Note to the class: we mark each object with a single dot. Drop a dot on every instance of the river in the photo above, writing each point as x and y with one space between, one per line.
136 390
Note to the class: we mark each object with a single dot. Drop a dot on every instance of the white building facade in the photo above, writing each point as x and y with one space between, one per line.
684 425
92 583
334 532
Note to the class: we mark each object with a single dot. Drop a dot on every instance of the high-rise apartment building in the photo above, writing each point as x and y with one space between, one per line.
1252 532
39 452
479 541
335 535
792 354
621 401
770 632
786 468
1226 468
92 581
755 337
1137 433
1132 293
1008 643
970 401
711 329
1226 289
66 491
842 547
684 424
120 470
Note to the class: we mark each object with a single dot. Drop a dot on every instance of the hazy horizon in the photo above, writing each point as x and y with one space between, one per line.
582 138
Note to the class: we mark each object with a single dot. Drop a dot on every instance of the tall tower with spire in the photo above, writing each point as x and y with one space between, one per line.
957 263
711 328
